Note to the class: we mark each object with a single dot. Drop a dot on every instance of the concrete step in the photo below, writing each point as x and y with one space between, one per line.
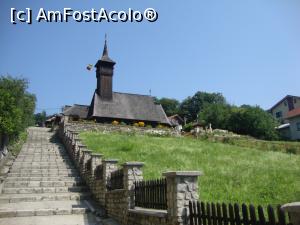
42 160
42 157
60 178
25 170
43 208
62 167
74 219
45 153
41 164
32 190
12 198
45 174
20 184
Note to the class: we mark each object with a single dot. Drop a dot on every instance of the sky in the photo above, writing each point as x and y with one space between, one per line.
247 50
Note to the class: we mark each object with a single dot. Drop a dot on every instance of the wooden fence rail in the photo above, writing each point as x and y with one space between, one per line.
227 214
151 194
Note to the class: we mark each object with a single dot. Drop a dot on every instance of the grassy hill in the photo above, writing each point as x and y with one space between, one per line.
231 173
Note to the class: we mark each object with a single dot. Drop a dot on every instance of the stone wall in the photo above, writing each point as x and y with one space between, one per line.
147 217
107 128
116 205
96 171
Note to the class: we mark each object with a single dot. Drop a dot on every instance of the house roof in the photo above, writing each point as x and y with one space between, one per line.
175 120
283 99
293 113
128 106
77 110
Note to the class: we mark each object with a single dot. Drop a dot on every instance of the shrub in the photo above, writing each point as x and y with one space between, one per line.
228 140
141 124
115 122
123 123
160 126
188 127
291 150
135 124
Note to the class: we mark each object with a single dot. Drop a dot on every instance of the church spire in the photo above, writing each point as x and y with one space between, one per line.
105 51
104 74
105 56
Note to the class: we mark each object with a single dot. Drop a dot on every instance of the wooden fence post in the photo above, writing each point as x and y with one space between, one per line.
182 187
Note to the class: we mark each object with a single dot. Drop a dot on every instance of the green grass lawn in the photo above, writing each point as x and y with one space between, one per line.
231 173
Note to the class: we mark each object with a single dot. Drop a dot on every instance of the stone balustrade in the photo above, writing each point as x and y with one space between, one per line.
119 203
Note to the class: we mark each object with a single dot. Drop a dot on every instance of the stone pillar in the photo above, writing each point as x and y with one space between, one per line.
72 145
86 155
109 165
77 151
293 210
132 172
68 141
96 160
181 188
74 135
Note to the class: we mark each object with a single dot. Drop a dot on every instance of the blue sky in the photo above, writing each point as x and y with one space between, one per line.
248 50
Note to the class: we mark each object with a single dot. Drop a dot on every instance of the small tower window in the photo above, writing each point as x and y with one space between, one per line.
285 103
295 100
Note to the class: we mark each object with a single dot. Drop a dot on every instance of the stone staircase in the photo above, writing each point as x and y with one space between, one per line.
43 187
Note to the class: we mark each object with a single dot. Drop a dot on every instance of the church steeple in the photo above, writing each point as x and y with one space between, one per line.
105 51
104 74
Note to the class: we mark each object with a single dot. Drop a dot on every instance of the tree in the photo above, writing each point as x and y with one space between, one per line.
217 115
254 121
40 118
171 106
191 106
16 108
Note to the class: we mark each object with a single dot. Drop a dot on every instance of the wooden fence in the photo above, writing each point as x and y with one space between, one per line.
151 194
116 180
221 214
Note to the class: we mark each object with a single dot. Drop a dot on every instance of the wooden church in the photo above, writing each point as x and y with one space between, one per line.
107 105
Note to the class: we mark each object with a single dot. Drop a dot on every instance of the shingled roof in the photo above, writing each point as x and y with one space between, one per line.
80 111
129 107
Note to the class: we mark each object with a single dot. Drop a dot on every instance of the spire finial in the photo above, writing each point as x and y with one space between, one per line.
105 51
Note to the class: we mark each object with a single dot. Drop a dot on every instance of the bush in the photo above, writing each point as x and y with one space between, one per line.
135 124
115 122
253 121
188 127
141 124
228 140
123 123
160 126
291 150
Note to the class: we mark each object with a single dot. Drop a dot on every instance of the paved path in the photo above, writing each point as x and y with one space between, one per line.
43 187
